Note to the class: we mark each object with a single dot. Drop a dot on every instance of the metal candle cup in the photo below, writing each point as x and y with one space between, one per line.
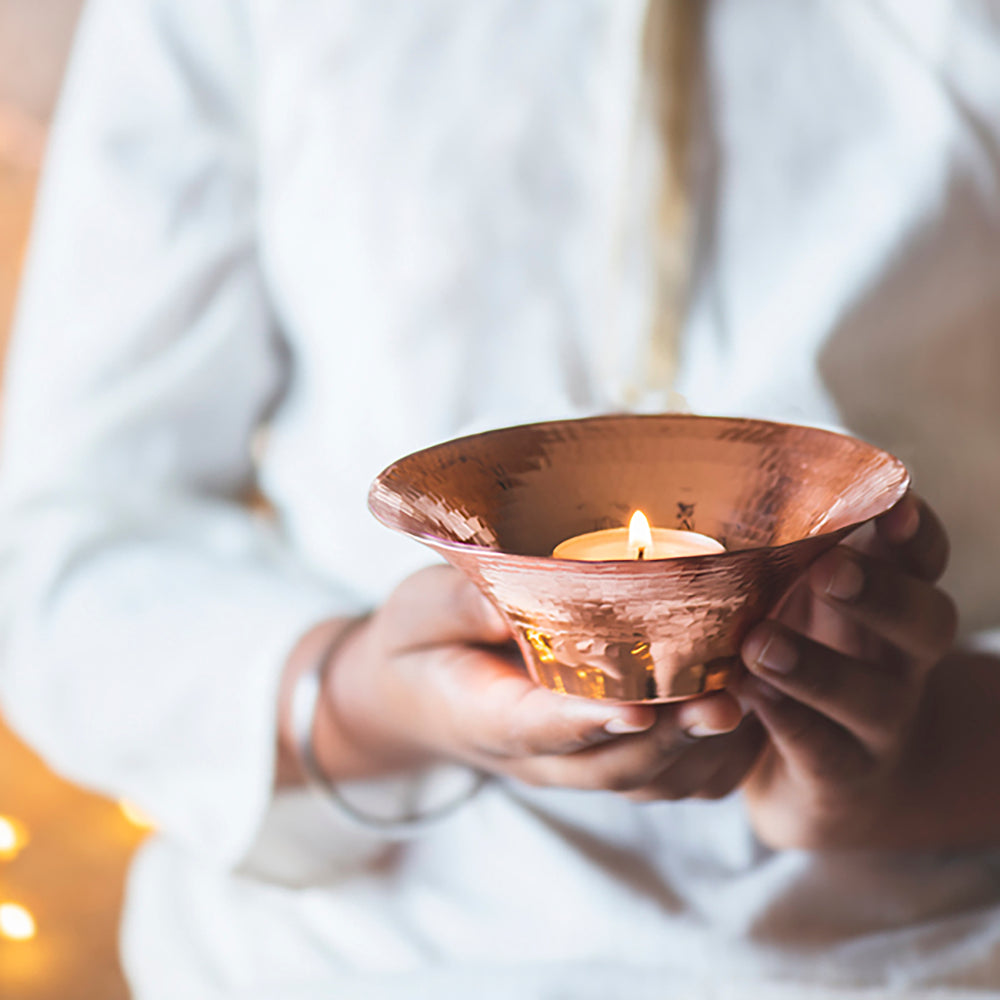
496 504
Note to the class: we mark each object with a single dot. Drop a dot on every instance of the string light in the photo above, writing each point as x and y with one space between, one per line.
13 837
135 815
16 923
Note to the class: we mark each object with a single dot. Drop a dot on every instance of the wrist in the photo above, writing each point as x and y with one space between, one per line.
365 720
314 652
325 755
355 731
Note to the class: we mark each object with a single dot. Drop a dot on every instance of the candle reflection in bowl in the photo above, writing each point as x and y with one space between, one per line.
774 496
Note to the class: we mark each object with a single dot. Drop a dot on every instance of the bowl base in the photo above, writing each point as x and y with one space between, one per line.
651 687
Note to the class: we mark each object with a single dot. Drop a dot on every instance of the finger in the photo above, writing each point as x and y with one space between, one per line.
637 761
915 537
438 606
499 712
910 614
795 606
872 703
804 613
717 775
619 766
734 769
808 743
710 715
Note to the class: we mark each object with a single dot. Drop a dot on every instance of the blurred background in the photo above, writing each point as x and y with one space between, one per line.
63 853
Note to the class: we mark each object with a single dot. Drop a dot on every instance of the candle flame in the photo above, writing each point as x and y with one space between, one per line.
640 538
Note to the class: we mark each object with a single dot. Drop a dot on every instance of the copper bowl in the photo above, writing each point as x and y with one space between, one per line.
496 504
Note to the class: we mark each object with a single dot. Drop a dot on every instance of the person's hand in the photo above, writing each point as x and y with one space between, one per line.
433 675
838 677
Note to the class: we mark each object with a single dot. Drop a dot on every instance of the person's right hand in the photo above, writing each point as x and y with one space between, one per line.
433 675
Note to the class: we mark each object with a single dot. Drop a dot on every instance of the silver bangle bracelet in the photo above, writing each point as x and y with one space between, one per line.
302 713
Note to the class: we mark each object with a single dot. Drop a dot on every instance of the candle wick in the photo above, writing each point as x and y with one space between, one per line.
641 554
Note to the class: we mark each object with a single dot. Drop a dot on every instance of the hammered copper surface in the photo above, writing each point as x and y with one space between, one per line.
496 504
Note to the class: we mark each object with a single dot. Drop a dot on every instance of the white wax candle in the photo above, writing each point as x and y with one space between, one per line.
637 541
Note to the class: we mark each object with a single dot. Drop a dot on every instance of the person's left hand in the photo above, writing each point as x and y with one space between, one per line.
837 677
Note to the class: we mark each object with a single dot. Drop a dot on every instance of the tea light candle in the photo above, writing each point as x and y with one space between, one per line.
637 541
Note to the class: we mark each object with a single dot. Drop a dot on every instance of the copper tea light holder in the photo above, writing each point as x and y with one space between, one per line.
496 504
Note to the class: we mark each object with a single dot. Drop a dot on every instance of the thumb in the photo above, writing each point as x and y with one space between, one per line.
710 714
500 711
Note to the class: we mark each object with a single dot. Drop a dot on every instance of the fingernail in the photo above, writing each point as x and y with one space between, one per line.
619 726
700 730
901 523
847 580
778 655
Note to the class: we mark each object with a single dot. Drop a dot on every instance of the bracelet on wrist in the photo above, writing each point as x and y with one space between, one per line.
306 693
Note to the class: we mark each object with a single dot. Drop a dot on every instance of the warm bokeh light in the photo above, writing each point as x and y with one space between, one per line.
135 815
13 837
16 923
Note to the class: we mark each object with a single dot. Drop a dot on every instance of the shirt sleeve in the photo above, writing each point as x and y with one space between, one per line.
145 612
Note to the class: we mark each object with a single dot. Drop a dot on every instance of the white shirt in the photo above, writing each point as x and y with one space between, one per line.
380 223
